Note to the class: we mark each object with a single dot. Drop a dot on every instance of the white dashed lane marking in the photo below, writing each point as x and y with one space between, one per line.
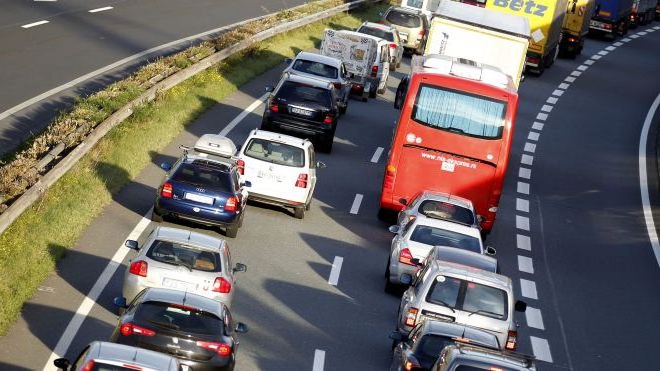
522 205
552 100
525 264
523 242
100 9
523 188
546 108
533 135
525 173
534 318
569 79
542 116
376 156
563 85
34 24
616 45
541 349
355 208
558 92
319 360
335 271
527 159
589 62
576 73
530 147
603 52
522 222
582 67
528 289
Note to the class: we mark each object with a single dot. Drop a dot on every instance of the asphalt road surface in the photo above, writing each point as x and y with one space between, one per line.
571 234
37 57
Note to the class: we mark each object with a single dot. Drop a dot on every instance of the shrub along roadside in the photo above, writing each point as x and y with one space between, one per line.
30 248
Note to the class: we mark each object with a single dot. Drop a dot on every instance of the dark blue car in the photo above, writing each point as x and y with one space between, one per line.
202 188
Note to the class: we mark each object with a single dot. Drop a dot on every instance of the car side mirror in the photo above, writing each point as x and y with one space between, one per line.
397 336
166 166
415 261
288 61
320 165
119 302
520 306
131 244
62 363
246 183
239 267
394 229
241 328
403 201
406 279
490 250
269 89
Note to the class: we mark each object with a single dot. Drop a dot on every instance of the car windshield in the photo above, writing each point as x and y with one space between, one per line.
459 112
179 318
387 35
469 296
315 68
275 152
296 92
441 237
183 255
447 211
403 19
204 174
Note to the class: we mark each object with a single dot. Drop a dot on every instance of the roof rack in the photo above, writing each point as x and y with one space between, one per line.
213 147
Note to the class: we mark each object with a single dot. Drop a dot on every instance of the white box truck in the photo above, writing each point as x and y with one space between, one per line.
481 35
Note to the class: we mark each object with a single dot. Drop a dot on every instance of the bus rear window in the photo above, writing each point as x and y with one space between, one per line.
458 112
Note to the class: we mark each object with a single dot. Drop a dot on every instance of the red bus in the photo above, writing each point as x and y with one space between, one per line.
454 134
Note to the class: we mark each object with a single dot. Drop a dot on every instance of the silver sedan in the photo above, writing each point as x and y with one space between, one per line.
179 259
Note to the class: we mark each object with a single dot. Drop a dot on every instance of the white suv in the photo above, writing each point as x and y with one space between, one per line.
280 168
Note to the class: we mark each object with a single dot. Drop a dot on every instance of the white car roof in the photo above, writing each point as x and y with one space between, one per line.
448 225
319 58
441 196
458 270
379 26
277 137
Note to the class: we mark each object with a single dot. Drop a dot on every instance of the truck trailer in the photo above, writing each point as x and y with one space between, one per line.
611 18
576 27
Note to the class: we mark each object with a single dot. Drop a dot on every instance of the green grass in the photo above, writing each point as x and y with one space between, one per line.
31 247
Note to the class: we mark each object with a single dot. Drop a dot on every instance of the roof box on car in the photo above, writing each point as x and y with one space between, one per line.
217 145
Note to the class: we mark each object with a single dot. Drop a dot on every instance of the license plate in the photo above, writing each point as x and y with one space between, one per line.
199 198
179 285
300 111
185 368
269 176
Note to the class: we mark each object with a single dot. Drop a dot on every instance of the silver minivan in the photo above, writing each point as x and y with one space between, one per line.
456 293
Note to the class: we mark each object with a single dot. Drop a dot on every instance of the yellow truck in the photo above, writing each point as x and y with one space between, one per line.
576 26
546 18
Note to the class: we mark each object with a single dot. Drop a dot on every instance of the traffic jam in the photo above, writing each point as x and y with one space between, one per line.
440 190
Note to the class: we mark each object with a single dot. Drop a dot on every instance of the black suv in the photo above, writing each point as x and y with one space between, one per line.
303 106
195 329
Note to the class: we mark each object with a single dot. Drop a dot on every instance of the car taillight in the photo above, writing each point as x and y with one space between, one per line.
511 340
411 317
167 190
222 349
421 34
534 60
328 118
139 268
273 106
128 329
221 285
89 366
572 40
607 26
390 173
240 164
392 45
232 203
301 182
411 363
337 85
374 71
406 257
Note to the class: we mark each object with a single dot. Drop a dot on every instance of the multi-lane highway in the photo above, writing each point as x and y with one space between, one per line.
61 42
571 234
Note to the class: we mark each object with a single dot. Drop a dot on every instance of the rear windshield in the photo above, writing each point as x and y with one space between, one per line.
469 296
183 255
458 112
277 153
387 35
441 237
447 211
403 19
179 318
431 345
315 68
204 174
414 3
486 367
100 366
295 92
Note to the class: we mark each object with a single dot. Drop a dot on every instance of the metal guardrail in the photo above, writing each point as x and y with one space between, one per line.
47 180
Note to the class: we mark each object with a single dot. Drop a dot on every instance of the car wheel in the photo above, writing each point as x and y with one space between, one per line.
390 288
373 91
232 231
299 212
155 217
326 144
308 205
342 108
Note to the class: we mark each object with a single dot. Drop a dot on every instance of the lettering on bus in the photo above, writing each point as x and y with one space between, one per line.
526 6
448 164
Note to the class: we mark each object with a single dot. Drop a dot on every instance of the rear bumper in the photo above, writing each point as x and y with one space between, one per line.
300 127
194 213
133 285
272 200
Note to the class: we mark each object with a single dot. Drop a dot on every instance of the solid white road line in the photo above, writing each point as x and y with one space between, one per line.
530 147
533 135
522 205
319 360
534 318
376 156
527 159
355 208
524 173
525 264
541 349
523 242
528 289
336 269
542 116
523 188
89 301
100 9
34 24
242 115
643 180
522 222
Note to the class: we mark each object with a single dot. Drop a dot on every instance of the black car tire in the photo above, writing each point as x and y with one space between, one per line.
390 288
155 217
342 108
373 91
308 205
299 212
232 231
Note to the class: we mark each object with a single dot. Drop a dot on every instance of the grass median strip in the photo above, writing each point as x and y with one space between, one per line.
31 247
